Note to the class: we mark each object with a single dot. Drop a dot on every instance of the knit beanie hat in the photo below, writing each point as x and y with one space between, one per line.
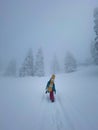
53 76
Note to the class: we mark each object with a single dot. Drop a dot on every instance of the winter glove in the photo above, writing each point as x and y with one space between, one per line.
46 92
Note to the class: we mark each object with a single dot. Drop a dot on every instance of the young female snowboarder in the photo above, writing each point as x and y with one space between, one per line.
50 88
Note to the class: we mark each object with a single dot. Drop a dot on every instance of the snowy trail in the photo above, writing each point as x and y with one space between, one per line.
53 115
65 115
25 106
62 119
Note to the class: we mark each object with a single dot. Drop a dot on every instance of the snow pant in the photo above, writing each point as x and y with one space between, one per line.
51 96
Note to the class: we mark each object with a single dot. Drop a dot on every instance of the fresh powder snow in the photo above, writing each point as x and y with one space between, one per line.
25 106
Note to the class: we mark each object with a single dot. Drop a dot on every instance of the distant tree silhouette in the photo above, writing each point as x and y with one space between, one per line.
55 67
95 45
27 68
39 63
70 63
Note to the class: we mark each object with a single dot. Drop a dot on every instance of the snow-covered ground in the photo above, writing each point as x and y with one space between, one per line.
25 106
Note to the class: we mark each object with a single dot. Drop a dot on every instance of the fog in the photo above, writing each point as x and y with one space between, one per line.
57 26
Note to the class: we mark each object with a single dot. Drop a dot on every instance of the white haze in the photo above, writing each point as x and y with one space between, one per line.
55 25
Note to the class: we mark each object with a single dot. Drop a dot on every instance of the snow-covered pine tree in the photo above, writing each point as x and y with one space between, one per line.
95 47
92 50
55 67
27 68
70 64
39 64
11 69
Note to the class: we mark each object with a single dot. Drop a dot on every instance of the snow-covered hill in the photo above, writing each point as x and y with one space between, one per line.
25 106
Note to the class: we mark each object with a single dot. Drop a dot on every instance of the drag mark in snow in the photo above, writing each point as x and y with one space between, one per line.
58 120
66 119
53 115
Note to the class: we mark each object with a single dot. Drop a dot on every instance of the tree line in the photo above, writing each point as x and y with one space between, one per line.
37 68
31 67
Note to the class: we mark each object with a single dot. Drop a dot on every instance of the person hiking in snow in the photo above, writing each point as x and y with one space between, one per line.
50 88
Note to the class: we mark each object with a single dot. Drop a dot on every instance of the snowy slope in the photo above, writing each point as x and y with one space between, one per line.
25 106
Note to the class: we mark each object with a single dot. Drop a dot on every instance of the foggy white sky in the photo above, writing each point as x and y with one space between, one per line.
56 25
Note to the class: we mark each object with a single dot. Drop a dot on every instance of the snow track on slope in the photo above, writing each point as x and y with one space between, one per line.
53 115
65 115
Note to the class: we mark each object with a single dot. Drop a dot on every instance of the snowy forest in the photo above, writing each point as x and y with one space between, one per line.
49 65
35 66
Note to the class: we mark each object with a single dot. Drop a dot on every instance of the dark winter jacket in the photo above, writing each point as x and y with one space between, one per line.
53 88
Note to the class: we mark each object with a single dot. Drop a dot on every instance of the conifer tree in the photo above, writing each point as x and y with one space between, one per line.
70 63
39 63
27 68
95 47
